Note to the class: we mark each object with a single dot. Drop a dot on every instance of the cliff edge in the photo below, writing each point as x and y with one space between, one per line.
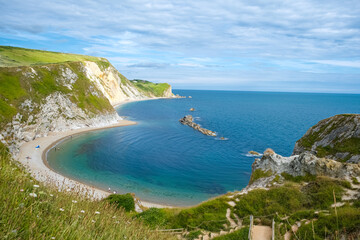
337 138
42 92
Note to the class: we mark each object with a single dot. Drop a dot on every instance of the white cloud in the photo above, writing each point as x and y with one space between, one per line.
353 64
190 36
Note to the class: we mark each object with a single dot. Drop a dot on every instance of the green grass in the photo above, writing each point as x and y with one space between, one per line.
348 219
154 217
14 57
259 173
209 216
350 145
53 214
306 178
241 234
149 88
125 201
15 87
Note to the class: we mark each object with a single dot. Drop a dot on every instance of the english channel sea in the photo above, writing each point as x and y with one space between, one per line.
164 162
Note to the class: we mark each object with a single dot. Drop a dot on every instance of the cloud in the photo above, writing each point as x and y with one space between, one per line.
187 36
353 64
148 65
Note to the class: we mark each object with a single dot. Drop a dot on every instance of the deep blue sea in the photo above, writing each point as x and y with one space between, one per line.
162 161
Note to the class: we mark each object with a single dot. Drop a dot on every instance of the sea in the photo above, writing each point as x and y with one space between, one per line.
165 162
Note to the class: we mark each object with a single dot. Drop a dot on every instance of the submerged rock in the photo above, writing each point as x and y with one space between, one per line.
188 120
192 109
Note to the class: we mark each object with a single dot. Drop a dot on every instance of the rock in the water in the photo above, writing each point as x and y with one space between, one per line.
254 153
192 109
188 120
337 138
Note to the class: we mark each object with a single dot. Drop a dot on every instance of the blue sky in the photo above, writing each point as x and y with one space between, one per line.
301 46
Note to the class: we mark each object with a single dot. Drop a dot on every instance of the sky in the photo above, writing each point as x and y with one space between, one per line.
269 45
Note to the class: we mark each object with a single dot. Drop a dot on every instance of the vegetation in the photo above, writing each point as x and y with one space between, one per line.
29 210
151 89
241 234
209 215
259 173
350 145
125 201
154 217
14 57
16 87
306 178
345 223
326 127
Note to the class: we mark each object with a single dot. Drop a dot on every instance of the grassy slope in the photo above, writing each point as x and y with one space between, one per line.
149 88
294 199
14 57
15 87
56 214
350 145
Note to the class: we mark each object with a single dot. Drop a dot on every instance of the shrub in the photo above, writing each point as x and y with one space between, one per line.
193 235
154 217
259 173
320 192
209 216
306 178
125 201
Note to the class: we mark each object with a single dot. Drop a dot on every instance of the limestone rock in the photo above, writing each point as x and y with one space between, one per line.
188 120
337 138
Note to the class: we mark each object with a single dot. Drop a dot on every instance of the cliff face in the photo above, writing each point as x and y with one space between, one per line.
42 98
337 138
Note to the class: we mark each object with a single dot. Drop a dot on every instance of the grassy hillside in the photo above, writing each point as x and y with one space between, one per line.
151 89
14 57
336 138
307 198
29 210
19 84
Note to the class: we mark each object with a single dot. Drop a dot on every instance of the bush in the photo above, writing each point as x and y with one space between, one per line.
241 234
193 235
261 202
320 192
306 178
154 217
209 216
125 201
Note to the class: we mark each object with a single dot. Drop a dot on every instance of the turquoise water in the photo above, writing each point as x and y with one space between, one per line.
162 161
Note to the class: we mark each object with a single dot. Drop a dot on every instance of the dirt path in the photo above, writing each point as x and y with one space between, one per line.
261 233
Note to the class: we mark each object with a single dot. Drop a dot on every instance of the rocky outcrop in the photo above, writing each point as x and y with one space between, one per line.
188 120
305 163
337 138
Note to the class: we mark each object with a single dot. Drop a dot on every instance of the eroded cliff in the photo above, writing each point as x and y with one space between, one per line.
42 92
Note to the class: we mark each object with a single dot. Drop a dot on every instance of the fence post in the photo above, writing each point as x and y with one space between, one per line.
251 226
273 230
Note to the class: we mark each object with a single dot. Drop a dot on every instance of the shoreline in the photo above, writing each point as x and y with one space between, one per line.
35 161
